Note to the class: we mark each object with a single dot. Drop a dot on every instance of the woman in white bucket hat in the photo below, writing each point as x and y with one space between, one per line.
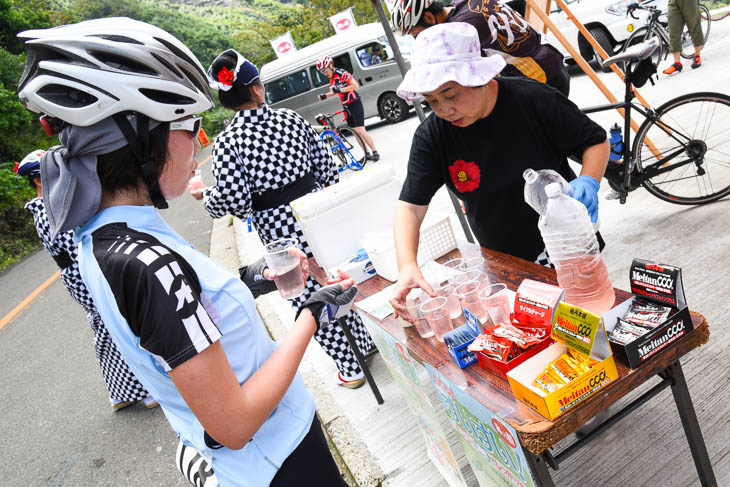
484 132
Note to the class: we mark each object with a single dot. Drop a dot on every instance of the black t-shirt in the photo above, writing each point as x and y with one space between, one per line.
156 291
531 126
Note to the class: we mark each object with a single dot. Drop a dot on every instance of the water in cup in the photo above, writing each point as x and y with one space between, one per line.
196 182
289 282
437 315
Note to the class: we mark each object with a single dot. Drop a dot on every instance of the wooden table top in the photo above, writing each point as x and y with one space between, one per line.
536 433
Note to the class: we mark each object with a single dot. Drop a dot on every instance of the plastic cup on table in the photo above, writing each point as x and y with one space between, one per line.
476 264
468 294
282 259
473 275
437 315
446 289
496 302
196 182
453 263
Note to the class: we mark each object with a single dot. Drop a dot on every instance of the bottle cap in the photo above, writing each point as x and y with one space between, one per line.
552 190
530 175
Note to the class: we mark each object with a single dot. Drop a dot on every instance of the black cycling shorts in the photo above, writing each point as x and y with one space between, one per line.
355 113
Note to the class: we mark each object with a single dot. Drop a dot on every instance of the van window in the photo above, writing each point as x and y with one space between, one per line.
286 87
342 61
372 53
318 79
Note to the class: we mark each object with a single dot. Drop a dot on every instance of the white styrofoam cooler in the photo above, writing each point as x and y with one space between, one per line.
335 219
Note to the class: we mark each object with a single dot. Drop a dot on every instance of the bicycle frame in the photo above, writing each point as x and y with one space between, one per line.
332 131
632 179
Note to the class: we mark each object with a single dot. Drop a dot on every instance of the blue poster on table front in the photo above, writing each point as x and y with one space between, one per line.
490 444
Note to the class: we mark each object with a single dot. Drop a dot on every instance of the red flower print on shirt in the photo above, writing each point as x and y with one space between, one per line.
465 175
225 76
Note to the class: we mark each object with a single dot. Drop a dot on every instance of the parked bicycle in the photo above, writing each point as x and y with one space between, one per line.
657 26
345 144
681 153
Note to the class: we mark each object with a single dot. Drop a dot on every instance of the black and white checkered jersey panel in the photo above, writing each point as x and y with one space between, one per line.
64 242
263 150
157 292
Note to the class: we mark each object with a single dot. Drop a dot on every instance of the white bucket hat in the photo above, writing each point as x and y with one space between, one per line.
447 52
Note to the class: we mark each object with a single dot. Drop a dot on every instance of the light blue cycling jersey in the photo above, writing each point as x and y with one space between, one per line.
163 302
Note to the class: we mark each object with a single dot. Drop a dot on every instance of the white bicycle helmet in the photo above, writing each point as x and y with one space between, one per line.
84 73
324 62
407 13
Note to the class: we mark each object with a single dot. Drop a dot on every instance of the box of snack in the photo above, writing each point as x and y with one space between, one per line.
457 342
503 346
569 371
653 319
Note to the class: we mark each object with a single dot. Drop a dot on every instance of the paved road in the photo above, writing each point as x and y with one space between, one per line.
59 430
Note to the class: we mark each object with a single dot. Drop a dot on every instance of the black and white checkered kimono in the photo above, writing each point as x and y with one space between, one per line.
120 381
266 149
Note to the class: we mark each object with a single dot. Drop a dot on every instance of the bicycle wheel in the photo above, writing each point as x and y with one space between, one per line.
638 37
687 147
338 154
688 49
354 146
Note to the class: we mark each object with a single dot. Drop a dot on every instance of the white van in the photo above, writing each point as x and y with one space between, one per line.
293 81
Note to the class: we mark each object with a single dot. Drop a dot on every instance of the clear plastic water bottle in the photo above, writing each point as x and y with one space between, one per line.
535 182
572 246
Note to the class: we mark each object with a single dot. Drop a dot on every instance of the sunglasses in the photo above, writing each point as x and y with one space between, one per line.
192 125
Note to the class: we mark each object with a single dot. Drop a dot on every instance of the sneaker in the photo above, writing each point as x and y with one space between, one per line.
150 402
116 406
612 195
349 383
375 157
674 68
696 62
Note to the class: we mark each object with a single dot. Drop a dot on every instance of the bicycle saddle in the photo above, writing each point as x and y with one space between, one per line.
634 53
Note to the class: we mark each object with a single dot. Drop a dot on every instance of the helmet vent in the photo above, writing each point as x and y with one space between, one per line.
166 97
176 51
122 63
193 79
118 38
66 96
166 64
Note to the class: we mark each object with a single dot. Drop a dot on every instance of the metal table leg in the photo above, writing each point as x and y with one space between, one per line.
690 424
360 359
539 469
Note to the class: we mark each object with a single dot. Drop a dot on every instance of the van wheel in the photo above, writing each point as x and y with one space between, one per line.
392 108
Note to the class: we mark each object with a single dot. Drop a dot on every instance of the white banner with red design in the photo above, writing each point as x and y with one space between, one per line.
283 45
343 21
490 444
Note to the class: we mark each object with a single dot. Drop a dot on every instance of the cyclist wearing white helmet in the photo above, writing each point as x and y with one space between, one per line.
501 29
124 95
343 84
123 387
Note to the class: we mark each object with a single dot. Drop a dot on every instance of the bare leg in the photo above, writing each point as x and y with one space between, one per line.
366 137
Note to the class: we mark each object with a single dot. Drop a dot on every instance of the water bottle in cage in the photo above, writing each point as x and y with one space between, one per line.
615 139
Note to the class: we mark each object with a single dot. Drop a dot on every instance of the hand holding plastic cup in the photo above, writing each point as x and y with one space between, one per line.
282 257
497 303
196 182
413 304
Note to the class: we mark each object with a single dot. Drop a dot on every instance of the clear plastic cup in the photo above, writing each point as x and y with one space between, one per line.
496 302
196 182
437 316
473 263
453 263
413 301
468 294
282 259
446 289
473 275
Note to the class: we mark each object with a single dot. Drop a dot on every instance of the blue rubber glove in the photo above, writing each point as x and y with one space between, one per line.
585 190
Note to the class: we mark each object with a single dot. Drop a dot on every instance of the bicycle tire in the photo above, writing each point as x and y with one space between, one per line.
333 147
354 146
688 49
702 120
641 35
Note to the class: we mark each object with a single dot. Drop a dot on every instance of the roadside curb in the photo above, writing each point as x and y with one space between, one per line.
231 245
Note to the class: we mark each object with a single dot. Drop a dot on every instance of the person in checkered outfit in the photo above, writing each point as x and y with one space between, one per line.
124 388
262 160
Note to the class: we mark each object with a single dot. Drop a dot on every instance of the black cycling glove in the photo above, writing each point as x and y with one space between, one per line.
329 303
253 277
336 89
322 96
